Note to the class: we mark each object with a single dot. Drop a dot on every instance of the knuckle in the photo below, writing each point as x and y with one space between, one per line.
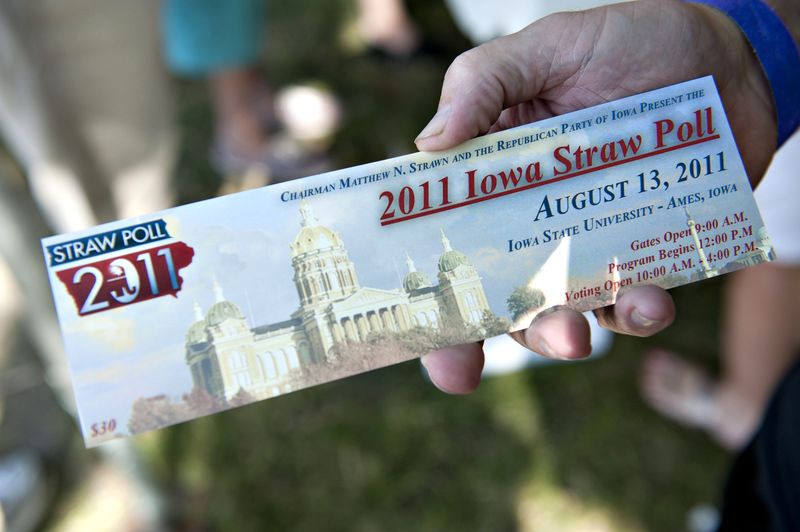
463 64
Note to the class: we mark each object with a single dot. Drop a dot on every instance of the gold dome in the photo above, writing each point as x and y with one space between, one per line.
313 236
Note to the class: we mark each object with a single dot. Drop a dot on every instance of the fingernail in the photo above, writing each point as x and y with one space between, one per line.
422 361
642 321
436 125
427 374
545 349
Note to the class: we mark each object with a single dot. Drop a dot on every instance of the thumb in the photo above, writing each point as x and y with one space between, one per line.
482 82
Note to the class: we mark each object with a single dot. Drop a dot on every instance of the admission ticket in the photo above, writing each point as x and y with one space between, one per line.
217 304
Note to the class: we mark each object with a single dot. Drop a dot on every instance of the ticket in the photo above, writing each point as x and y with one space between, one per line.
220 303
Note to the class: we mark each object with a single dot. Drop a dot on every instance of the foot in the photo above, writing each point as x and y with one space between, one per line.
281 159
385 26
685 393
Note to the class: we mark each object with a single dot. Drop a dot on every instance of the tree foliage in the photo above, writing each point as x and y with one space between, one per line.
200 402
149 413
493 324
524 299
241 398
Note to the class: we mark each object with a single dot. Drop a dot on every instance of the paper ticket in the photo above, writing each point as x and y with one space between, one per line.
220 303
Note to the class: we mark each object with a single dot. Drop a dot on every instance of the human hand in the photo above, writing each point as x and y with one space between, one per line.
570 61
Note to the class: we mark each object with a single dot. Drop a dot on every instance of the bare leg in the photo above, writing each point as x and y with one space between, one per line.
241 102
760 341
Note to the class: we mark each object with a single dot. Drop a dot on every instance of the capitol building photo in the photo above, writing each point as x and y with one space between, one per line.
226 355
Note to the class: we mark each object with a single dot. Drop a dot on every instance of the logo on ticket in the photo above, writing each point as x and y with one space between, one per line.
121 267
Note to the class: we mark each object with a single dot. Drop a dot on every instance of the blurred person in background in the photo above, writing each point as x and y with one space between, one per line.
760 333
85 107
261 135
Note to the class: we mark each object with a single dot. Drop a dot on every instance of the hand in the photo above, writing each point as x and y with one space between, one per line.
570 61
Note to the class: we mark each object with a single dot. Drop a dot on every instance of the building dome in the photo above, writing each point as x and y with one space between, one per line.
221 311
196 333
313 236
450 259
415 281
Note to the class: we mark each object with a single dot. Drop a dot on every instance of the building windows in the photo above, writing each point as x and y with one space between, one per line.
469 300
237 360
269 365
242 380
475 316
240 373
280 360
426 319
294 362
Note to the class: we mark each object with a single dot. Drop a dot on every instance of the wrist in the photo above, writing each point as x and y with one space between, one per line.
742 66
774 51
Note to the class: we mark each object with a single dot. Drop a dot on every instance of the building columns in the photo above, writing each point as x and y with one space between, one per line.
338 332
401 315
374 322
363 326
406 315
388 319
350 330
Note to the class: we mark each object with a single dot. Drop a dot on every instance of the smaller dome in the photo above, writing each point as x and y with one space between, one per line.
221 311
196 333
450 260
415 280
